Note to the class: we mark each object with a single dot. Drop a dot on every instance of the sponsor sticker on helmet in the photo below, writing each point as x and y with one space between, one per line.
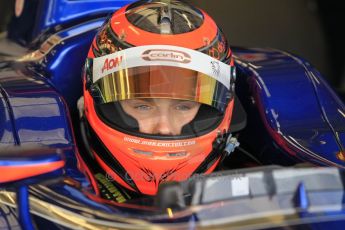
166 55
111 63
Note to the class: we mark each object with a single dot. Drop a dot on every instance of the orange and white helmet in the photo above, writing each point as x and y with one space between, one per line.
149 50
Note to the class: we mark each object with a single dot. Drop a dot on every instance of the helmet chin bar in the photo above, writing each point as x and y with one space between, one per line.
223 145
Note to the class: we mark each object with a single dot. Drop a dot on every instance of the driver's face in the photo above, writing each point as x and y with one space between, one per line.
161 116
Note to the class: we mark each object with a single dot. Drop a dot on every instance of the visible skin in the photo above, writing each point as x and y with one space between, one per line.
161 116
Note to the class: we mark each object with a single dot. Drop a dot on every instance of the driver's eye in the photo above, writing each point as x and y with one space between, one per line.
183 107
143 107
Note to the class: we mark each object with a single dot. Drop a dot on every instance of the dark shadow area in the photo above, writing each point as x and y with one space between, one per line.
333 19
5 14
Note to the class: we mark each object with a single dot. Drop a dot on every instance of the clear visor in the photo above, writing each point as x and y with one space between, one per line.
161 82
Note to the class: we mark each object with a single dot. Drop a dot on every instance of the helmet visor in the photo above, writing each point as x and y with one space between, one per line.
162 74
161 82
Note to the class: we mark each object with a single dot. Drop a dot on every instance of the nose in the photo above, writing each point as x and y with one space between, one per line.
164 125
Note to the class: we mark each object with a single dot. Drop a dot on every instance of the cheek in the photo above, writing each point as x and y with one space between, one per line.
146 125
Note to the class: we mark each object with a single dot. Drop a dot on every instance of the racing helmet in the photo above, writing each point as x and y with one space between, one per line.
146 55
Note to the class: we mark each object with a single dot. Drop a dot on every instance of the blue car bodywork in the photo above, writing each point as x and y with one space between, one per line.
293 117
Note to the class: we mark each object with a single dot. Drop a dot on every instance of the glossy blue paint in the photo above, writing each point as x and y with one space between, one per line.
296 106
63 64
24 208
54 13
332 106
35 112
19 161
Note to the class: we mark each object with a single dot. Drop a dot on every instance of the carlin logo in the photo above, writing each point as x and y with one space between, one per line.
166 55
111 63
